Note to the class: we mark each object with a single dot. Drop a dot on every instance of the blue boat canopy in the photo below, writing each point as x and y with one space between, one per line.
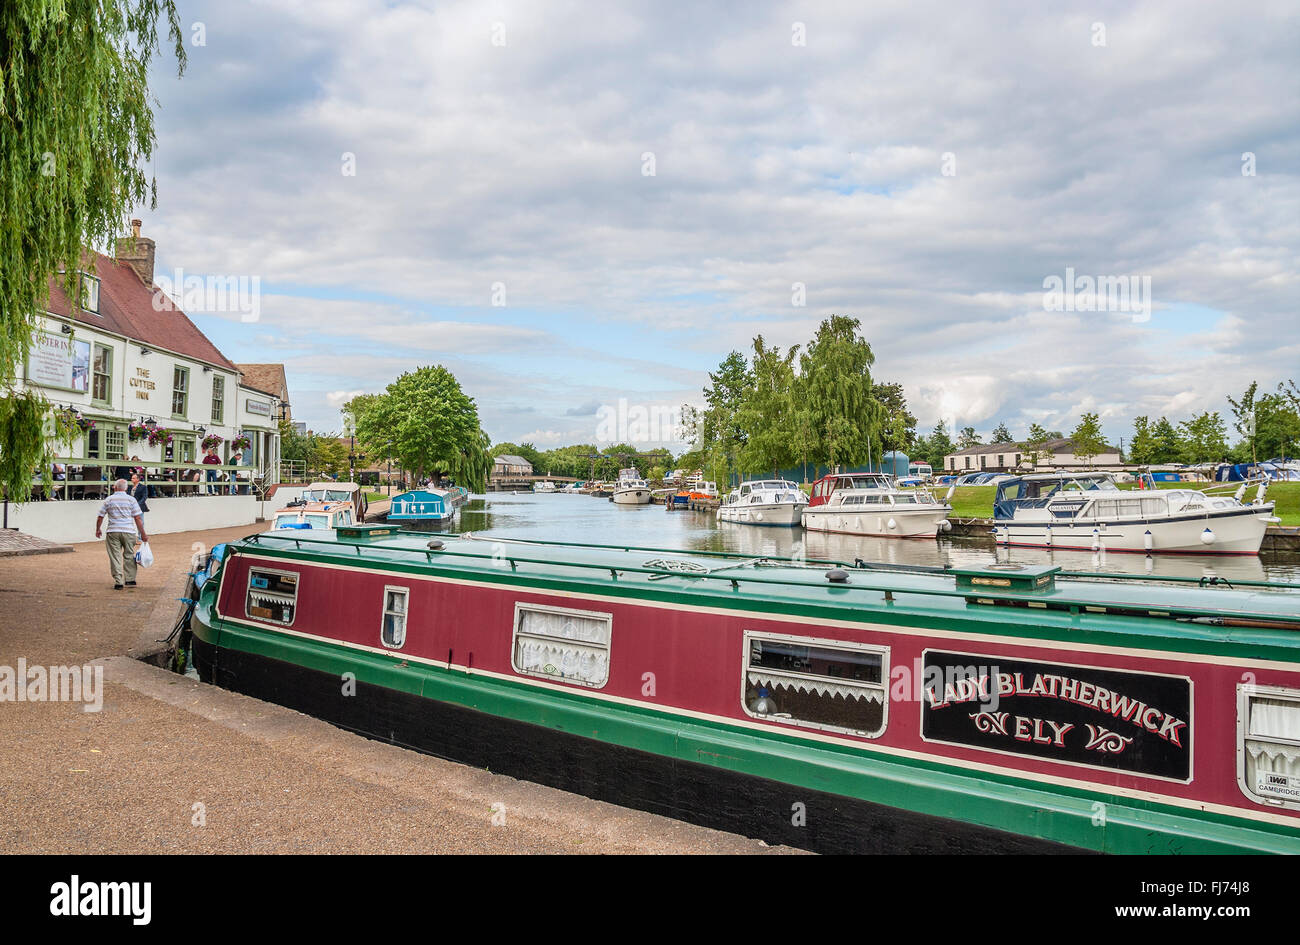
420 505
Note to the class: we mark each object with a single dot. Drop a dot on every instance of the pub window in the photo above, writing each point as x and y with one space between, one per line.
114 443
569 646
1268 732
968 462
393 631
180 391
1001 457
823 684
105 442
218 398
272 595
101 390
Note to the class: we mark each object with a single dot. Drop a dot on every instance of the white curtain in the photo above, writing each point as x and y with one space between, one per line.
567 646
821 687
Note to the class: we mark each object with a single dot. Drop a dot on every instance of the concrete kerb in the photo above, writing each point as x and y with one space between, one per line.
166 611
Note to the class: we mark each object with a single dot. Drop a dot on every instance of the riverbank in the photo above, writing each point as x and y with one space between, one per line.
170 765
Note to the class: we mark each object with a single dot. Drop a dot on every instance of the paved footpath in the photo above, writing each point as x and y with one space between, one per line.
170 765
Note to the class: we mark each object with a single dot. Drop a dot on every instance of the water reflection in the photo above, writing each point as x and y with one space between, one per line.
580 518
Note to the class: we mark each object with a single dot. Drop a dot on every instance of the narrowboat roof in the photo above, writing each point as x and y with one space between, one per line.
1018 598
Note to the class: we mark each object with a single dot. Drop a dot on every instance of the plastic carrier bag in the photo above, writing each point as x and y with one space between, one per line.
144 555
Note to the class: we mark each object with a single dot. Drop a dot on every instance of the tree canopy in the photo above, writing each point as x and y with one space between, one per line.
76 120
424 421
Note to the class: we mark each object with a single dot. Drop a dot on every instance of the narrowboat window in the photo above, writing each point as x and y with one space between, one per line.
393 633
272 595
824 684
567 645
1268 726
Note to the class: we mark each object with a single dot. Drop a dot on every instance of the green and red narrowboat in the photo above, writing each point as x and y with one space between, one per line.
830 706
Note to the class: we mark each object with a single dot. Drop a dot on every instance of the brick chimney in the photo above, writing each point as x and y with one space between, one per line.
138 251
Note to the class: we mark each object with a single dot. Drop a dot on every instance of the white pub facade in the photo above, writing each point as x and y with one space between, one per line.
146 383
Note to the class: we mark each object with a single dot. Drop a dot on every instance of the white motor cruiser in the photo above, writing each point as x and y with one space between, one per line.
870 504
631 489
764 502
1087 511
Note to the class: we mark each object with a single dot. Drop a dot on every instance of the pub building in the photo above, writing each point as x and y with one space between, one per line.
144 380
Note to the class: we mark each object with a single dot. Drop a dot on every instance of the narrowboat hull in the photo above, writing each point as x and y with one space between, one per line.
662 722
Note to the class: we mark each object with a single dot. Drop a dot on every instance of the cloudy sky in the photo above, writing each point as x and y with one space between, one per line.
569 205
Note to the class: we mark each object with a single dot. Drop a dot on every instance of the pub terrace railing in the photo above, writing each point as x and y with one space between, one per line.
84 478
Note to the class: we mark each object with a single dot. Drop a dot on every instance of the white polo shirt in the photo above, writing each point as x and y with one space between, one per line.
120 510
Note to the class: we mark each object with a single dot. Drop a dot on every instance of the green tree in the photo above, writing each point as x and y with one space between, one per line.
721 436
1244 420
1204 438
835 386
766 412
939 445
76 123
1142 450
967 438
1277 426
1087 438
898 432
1002 435
1169 442
432 425
1035 450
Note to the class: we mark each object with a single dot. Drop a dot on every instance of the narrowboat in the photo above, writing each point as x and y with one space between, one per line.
832 706
432 506
1088 511
777 502
872 504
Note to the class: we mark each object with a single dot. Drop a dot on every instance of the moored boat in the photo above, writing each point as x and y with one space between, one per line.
631 489
895 710
871 504
772 502
432 505
544 485
1088 511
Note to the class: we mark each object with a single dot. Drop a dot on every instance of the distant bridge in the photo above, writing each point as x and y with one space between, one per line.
510 483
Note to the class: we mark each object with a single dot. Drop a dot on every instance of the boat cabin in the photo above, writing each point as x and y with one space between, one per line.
828 484
314 515
333 492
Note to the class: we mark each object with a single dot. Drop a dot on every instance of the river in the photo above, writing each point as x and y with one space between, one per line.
584 518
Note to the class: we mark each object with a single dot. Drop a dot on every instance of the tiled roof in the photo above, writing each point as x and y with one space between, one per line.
509 460
126 307
268 378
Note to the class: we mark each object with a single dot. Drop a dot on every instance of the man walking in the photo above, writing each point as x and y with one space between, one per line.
124 522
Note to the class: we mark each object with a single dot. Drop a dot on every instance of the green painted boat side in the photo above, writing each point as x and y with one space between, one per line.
1063 814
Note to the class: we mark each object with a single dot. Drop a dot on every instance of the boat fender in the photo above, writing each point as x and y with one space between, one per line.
891 524
837 576
758 516
1240 494
1259 493
1049 534
945 526
1207 537
1147 541
1096 539
951 490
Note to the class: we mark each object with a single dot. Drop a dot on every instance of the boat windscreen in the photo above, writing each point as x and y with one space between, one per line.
317 521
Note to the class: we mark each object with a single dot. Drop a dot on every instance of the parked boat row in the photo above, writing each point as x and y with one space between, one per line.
844 503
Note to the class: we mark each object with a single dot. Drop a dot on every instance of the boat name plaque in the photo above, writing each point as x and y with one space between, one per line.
1102 718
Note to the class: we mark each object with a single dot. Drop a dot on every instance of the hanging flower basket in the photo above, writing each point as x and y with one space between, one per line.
241 442
157 435
212 441
139 429
72 417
